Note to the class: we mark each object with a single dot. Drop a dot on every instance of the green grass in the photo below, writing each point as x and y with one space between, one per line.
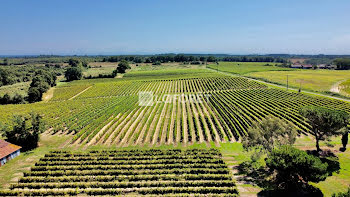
339 181
11 171
345 87
314 80
94 72
19 88
246 67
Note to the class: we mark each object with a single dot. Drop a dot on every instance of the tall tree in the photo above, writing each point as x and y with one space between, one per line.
26 131
324 122
122 66
73 73
344 139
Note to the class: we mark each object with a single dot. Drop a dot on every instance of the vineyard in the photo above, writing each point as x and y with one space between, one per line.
214 108
172 172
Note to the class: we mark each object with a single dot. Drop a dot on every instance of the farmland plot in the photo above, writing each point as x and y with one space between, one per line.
171 172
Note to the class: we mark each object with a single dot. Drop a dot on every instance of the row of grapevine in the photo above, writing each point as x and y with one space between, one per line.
192 85
190 172
238 109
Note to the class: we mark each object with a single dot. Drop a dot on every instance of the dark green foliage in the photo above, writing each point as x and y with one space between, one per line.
344 139
40 84
73 62
342 63
192 58
48 77
7 99
26 131
73 73
7 77
15 74
294 168
122 66
270 133
211 59
157 63
324 122
114 73
34 94
342 194
42 81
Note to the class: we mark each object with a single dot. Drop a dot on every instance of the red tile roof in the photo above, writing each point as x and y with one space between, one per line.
7 148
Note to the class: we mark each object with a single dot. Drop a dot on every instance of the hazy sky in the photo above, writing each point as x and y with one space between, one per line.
178 26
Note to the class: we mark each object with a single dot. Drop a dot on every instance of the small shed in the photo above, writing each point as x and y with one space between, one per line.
8 151
307 66
296 66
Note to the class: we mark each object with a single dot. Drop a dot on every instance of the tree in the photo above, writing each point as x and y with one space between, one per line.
269 133
40 83
344 139
6 99
122 66
34 95
73 73
26 131
74 62
48 77
114 73
294 168
324 122
211 59
6 62
342 63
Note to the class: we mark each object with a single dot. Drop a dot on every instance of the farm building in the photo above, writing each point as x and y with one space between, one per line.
8 151
296 66
301 66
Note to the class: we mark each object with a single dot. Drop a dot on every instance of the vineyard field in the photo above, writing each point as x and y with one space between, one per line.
174 172
215 108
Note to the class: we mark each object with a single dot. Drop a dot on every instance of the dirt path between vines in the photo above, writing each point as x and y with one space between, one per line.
80 93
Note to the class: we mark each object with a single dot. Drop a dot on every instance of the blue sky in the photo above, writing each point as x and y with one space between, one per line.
174 26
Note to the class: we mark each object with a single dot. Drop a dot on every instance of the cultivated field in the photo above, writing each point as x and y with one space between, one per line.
106 111
314 80
191 106
242 68
134 172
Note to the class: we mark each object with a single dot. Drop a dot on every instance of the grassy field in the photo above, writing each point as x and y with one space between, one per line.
242 68
314 80
19 88
340 180
95 71
13 170
345 87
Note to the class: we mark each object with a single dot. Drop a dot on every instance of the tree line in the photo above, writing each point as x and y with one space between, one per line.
342 63
191 58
